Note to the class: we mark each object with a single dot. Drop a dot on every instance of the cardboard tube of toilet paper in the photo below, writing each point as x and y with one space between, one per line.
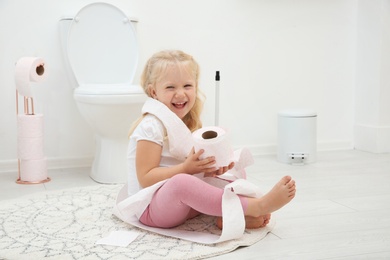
33 170
213 140
29 69
30 126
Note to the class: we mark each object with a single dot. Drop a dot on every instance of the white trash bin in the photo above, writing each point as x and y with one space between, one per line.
297 136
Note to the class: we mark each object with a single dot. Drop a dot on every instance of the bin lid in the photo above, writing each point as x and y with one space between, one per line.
297 113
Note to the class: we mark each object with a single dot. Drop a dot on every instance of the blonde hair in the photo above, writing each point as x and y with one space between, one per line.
154 70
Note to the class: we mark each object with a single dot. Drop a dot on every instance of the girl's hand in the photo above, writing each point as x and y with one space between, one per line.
219 171
193 164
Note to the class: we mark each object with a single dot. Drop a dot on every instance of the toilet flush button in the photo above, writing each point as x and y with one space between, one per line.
125 20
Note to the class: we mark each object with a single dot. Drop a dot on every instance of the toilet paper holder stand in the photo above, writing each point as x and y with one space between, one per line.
28 110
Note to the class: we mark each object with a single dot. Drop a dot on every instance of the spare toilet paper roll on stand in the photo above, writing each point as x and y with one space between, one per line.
32 166
32 163
30 137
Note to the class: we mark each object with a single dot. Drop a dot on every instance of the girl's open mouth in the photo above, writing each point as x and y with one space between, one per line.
179 105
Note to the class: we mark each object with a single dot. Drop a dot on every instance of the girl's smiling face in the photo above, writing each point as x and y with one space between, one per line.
176 89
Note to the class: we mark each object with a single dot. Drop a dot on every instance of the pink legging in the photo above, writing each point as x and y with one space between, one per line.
183 197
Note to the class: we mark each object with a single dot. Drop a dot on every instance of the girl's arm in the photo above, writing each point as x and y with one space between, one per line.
148 156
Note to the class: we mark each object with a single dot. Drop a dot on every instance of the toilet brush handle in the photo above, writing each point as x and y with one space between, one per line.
217 78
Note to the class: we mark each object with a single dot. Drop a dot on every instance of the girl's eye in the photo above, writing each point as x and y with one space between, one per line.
170 87
188 86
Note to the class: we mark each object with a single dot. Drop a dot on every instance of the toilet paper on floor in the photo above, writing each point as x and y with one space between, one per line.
27 70
126 209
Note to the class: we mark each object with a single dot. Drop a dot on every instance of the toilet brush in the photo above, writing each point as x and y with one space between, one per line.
217 78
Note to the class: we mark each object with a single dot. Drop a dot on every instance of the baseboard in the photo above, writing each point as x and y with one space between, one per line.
52 163
260 150
335 146
374 139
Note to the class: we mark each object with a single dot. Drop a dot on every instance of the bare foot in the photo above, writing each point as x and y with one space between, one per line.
250 222
258 212
267 218
257 222
281 194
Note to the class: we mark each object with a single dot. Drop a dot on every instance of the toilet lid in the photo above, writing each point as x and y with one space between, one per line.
102 46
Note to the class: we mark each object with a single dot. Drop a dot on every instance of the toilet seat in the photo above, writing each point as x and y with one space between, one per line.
97 27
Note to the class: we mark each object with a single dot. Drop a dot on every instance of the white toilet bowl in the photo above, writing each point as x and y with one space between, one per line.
103 72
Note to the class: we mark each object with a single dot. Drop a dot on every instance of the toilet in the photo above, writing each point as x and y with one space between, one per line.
101 54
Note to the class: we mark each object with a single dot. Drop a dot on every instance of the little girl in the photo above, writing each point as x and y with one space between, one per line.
171 79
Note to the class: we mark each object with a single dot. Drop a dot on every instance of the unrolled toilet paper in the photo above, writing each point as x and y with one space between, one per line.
213 140
29 69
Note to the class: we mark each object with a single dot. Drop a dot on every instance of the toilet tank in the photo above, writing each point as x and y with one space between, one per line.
66 21
64 25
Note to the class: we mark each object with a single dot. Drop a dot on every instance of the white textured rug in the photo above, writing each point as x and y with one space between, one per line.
66 224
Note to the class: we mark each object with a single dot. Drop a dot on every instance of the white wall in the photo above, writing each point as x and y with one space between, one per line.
272 55
372 126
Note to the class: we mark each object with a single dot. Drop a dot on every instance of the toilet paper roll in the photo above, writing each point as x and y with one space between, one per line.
33 170
29 69
30 148
213 140
30 126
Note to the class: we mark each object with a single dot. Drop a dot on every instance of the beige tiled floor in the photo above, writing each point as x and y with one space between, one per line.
341 211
